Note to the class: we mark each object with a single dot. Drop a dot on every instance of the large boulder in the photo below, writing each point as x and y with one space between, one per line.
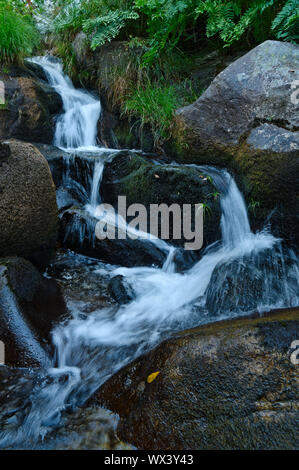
30 106
227 385
28 209
30 306
254 89
247 120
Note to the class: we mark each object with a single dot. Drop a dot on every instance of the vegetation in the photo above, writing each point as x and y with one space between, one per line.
18 34
167 24
155 105
163 36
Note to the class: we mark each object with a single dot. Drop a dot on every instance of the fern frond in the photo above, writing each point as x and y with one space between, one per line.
286 23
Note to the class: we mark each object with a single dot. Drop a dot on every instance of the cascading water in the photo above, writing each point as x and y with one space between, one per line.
89 349
77 127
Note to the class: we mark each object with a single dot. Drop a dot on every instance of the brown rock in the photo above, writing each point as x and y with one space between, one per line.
227 385
28 209
30 107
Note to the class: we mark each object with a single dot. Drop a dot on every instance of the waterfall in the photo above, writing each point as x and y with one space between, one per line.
89 349
96 182
76 128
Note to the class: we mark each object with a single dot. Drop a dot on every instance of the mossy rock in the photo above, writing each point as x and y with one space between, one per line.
144 182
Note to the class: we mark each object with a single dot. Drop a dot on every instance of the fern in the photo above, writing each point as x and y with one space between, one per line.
286 24
232 19
167 24
105 28
221 16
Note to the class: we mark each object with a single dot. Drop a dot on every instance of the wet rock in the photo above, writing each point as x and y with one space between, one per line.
89 428
28 209
120 290
16 385
227 385
64 199
78 232
31 106
185 259
247 121
55 158
4 152
144 182
30 306
36 70
83 280
257 279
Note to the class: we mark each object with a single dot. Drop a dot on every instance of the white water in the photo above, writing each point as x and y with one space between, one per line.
90 350
77 127
96 182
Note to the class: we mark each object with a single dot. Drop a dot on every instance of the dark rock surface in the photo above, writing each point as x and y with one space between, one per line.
257 279
30 305
83 280
120 290
31 106
227 385
78 232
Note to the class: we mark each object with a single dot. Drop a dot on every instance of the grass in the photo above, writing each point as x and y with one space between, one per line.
152 94
18 35
154 105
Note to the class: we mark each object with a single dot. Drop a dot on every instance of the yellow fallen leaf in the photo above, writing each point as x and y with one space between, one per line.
152 377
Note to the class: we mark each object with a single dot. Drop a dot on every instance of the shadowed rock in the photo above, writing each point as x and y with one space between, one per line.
30 306
31 106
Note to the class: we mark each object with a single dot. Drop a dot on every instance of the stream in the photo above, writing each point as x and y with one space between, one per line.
90 348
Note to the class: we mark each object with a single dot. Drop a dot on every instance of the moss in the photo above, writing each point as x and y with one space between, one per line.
268 177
